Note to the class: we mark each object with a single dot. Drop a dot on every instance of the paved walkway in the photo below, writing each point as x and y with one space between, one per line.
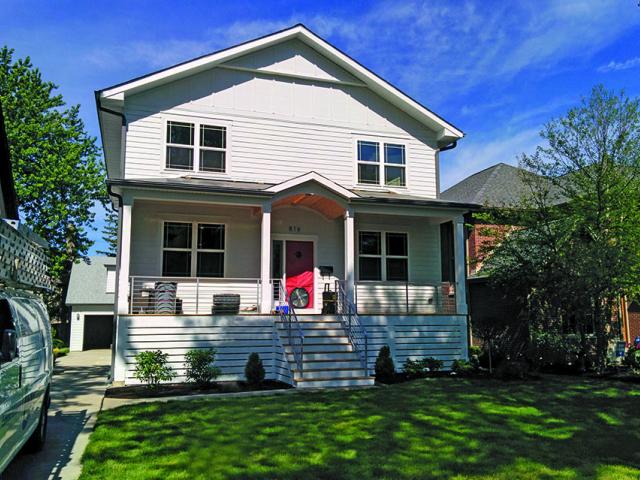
79 383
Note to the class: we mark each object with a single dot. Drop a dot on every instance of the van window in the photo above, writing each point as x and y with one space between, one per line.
26 309
6 321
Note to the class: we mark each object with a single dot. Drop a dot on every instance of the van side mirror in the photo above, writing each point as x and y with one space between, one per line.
9 346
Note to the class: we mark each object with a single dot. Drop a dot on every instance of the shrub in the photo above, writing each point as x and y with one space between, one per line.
199 365
254 370
60 352
463 368
152 368
632 358
421 368
385 369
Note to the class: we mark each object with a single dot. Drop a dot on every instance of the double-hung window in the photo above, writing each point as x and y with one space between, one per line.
383 256
193 250
210 150
388 169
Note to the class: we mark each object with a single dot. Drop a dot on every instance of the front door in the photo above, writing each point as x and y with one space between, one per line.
299 273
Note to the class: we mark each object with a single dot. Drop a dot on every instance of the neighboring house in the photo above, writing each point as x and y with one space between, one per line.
91 298
251 180
498 186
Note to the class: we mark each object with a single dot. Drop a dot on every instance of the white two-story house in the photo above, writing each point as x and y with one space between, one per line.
278 197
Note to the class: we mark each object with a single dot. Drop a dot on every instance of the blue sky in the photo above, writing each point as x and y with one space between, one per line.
498 70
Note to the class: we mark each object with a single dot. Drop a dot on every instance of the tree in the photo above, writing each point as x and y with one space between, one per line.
56 167
575 249
110 234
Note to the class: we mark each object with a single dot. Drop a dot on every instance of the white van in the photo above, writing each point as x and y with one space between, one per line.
26 366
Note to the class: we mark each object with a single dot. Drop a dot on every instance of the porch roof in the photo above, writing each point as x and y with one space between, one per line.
269 190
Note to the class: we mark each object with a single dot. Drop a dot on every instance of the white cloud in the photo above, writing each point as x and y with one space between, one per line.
474 155
613 66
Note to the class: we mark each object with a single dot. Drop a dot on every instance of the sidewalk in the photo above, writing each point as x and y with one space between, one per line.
79 382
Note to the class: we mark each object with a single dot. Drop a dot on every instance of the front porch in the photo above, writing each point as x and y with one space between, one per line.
300 276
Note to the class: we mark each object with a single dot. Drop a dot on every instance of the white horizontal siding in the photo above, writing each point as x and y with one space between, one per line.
233 337
279 127
414 336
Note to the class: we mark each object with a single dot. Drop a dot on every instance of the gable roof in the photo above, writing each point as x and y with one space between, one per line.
447 132
88 282
9 205
312 177
500 185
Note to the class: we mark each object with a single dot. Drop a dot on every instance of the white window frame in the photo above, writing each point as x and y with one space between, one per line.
383 254
382 162
194 247
197 123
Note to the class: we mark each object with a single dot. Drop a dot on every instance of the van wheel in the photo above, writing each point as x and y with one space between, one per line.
39 435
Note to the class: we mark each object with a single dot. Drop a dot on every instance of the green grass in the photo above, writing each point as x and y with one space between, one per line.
435 428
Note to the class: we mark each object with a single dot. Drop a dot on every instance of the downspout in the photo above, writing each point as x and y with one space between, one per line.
100 108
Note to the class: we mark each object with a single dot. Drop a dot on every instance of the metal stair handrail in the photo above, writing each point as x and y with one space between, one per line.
357 333
289 318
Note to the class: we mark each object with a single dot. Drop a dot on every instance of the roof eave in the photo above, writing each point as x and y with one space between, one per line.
446 131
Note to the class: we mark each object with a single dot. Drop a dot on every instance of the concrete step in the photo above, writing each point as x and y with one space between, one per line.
335 382
322 373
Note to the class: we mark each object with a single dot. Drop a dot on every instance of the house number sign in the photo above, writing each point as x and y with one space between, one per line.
294 229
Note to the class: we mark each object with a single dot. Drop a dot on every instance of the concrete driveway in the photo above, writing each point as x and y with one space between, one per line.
79 383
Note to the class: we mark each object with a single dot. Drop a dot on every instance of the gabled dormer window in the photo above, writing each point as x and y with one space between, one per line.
390 170
210 150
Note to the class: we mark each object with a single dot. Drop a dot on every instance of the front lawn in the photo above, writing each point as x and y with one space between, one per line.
434 428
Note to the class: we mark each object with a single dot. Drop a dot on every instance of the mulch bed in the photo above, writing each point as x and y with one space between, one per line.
182 389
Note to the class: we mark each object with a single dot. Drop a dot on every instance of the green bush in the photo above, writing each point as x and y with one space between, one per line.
60 352
421 368
254 370
199 365
152 368
463 368
632 358
385 369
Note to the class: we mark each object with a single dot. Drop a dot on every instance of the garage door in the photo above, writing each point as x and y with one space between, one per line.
98 330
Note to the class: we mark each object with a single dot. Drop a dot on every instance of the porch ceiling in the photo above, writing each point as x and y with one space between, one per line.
323 205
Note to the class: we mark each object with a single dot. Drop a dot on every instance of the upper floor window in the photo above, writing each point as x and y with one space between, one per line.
210 150
390 170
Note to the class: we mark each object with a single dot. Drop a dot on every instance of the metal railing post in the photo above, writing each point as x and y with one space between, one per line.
197 295
132 280
406 296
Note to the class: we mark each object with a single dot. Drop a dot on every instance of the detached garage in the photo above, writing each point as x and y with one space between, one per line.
91 298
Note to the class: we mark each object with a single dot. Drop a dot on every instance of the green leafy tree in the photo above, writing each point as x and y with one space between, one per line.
575 247
110 234
56 166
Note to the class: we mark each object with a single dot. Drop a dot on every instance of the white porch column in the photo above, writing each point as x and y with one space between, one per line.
122 291
459 246
266 293
124 259
349 253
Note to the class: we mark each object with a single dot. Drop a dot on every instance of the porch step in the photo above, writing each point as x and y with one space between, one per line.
334 372
335 382
319 340
326 357
325 347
